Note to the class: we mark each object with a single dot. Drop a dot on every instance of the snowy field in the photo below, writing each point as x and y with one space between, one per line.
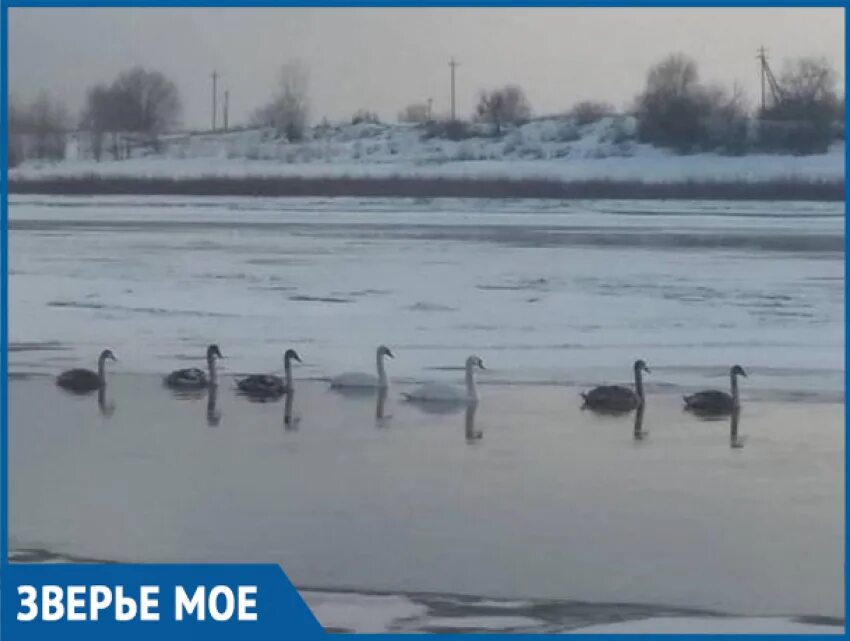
549 148
544 292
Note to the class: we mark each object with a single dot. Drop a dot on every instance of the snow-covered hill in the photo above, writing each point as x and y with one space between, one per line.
554 148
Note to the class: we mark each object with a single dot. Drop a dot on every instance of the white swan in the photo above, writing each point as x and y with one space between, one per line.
445 393
363 380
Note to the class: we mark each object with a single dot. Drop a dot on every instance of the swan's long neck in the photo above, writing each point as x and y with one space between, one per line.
212 369
639 383
382 373
734 378
101 369
287 370
471 391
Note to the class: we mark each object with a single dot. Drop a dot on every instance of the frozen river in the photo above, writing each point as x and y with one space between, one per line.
545 292
555 519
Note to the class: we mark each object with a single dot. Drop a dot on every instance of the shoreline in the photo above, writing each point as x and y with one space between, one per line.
349 609
776 189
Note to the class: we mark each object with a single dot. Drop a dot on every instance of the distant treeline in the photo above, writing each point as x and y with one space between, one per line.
775 189
802 114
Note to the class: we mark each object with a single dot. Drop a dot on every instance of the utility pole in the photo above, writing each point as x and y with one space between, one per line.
768 81
214 95
453 65
226 104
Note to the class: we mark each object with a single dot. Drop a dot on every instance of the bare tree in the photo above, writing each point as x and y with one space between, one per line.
38 128
138 102
416 113
14 143
365 116
674 77
589 111
507 105
288 110
809 114
671 109
101 115
809 80
726 122
148 102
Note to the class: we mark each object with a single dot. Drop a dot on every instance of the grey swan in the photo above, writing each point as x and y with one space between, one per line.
715 402
443 393
362 380
193 378
270 386
617 398
84 380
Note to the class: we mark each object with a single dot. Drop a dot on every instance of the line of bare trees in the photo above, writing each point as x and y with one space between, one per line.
675 109
139 103
137 107
678 111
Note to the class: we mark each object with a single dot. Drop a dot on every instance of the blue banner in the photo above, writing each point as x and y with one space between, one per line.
126 602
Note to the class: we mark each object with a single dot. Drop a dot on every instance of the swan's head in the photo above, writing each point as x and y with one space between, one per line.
640 366
383 350
474 361
291 354
737 370
213 352
107 355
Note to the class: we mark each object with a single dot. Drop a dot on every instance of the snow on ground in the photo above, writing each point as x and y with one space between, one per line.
552 148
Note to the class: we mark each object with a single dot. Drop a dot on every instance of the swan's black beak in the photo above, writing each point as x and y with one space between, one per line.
113 357
743 373
647 370
390 354
481 364
297 358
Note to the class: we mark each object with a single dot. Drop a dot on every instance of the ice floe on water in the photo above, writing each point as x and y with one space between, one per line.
554 292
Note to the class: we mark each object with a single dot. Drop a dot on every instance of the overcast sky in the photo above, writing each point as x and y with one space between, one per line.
383 59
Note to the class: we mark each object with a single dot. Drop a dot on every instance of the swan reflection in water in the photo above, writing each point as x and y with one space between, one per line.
639 433
104 404
472 435
381 417
290 422
736 442
213 415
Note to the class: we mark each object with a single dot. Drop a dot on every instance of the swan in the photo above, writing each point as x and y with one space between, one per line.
85 380
445 393
714 402
617 398
363 380
264 386
193 377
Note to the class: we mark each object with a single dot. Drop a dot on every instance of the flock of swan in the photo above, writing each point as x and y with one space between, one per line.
605 398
